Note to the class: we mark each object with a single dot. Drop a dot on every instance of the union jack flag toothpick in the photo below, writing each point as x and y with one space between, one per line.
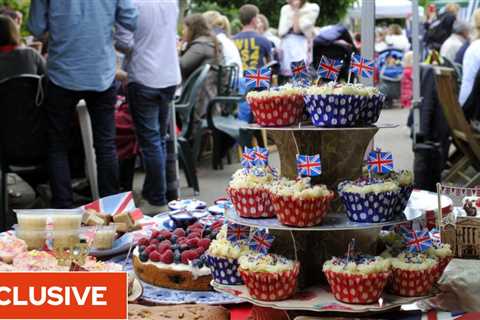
299 69
248 158
258 78
362 67
416 241
309 166
261 241
329 68
380 162
236 232
261 156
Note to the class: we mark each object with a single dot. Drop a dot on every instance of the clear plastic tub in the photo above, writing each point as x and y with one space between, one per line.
35 239
31 220
104 237
66 220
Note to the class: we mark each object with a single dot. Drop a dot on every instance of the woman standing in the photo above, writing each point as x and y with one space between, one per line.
296 29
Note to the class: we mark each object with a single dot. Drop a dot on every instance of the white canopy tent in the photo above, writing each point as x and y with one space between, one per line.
386 9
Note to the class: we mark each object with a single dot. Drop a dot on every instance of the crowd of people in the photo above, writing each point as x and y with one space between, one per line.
146 60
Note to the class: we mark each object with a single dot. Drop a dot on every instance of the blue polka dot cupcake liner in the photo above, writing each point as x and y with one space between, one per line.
403 197
334 111
224 271
369 207
372 108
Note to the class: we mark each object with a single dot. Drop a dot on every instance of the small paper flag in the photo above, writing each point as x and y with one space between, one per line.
362 67
261 241
416 241
329 68
258 78
380 162
309 166
236 232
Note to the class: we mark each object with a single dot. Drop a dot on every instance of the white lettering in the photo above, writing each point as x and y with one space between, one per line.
16 298
96 296
55 295
33 300
81 300
8 301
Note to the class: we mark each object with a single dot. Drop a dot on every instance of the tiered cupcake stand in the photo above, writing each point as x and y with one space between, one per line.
342 153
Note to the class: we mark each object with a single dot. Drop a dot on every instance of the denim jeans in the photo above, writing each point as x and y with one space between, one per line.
60 107
150 109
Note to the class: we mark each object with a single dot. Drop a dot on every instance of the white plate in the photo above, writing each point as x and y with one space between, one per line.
120 245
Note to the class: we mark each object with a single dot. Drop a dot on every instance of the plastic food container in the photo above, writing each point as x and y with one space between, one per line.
66 220
35 239
30 220
104 237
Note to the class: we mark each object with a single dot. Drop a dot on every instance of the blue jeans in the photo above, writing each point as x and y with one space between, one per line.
60 106
150 109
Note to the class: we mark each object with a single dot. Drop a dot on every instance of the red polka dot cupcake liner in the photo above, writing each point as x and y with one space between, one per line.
297 212
271 286
251 202
277 111
413 283
442 265
357 289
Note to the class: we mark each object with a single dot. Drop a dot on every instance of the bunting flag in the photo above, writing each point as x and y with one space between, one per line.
362 67
309 166
380 162
461 191
261 241
329 68
299 70
416 241
261 156
258 78
236 232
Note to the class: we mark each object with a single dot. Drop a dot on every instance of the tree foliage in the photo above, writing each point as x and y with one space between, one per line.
19 5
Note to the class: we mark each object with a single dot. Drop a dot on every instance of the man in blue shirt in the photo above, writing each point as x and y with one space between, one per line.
81 65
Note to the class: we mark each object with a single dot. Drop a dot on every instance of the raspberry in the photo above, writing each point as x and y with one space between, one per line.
189 255
154 256
179 232
163 247
154 241
155 233
204 243
166 234
167 257
194 235
200 250
166 242
150 248
181 240
143 242
193 243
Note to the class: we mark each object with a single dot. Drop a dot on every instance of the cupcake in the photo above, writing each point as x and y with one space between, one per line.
369 200
278 107
222 259
373 106
443 253
269 277
335 105
248 191
298 203
413 274
405 182
359 280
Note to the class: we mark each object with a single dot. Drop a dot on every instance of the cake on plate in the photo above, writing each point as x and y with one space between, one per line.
184 312
11 246
358 279
175 259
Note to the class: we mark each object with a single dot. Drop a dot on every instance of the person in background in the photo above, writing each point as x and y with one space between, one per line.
255 49
406 84
380 43
357 40
221 28
460 35
396 39
263 28
297 30
14 58
153 74
81 65
16 16
471 62
202 47
441 27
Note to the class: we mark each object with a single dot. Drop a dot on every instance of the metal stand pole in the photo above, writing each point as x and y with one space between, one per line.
368 34
173 183
416 70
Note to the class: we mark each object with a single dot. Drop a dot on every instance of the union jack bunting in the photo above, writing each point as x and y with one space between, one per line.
116 204
248 158
416 241
236 232
329 68
361 66
261 241
261 156
258 78
299 69
309 166
380 162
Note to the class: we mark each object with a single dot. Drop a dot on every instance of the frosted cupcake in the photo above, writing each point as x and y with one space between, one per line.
444 254
222 259
369 200
297 203
413 274
269 277
277 107
405 182
337 105
373 106
248 191
359 280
